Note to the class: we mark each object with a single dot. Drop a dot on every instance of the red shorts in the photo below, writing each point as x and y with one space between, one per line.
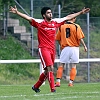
47 56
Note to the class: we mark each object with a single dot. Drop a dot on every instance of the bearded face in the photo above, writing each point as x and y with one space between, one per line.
48 15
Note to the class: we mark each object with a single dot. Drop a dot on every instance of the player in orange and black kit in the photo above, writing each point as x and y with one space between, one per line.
69 37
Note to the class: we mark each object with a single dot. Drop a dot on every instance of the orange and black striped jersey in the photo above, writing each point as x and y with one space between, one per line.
69 35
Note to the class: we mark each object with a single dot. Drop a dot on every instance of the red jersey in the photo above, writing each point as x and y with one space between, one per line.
47 31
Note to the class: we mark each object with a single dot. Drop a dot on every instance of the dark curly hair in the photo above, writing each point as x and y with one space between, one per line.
44 9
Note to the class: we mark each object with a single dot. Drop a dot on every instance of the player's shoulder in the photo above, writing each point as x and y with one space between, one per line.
77 24
59 19
38 20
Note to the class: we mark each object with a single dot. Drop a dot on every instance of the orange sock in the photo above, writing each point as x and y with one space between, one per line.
59 72
72 74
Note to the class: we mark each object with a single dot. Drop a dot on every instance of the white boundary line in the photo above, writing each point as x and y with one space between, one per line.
63 98
95 92
12 96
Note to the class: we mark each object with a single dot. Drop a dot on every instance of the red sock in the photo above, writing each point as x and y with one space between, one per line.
42 78
51 80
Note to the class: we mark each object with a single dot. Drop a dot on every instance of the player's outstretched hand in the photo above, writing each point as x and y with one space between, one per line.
85 10
13 9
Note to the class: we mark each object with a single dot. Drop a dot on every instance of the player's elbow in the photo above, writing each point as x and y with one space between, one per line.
29 19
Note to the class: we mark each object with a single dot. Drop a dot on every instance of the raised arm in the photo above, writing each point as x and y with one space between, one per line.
83 11
15 11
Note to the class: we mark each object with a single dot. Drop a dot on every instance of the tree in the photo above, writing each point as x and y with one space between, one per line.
70 5
4 2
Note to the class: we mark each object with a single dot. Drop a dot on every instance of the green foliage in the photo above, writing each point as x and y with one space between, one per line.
12 49
66 5
5 2
70 5
95 46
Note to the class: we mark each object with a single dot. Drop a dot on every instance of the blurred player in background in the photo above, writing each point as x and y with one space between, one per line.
69 37
46 38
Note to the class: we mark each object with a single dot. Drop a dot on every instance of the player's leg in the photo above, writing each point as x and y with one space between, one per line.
50 68
47 58
40 81
73 72
50 76
59 74
73 61
64 58
43 76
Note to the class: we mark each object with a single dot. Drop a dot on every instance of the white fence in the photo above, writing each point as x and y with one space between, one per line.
56 61
39 61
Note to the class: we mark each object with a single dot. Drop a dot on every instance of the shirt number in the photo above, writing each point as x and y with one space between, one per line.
67 32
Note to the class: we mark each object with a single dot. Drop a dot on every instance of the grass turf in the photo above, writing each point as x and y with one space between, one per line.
80 91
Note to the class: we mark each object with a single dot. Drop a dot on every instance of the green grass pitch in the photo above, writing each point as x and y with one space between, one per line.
80 91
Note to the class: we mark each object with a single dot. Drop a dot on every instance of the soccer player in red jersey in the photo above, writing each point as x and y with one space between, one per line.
46 38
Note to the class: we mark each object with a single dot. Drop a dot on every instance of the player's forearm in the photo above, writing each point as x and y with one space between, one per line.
24 16
82 42
85 48
83 11
71 16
